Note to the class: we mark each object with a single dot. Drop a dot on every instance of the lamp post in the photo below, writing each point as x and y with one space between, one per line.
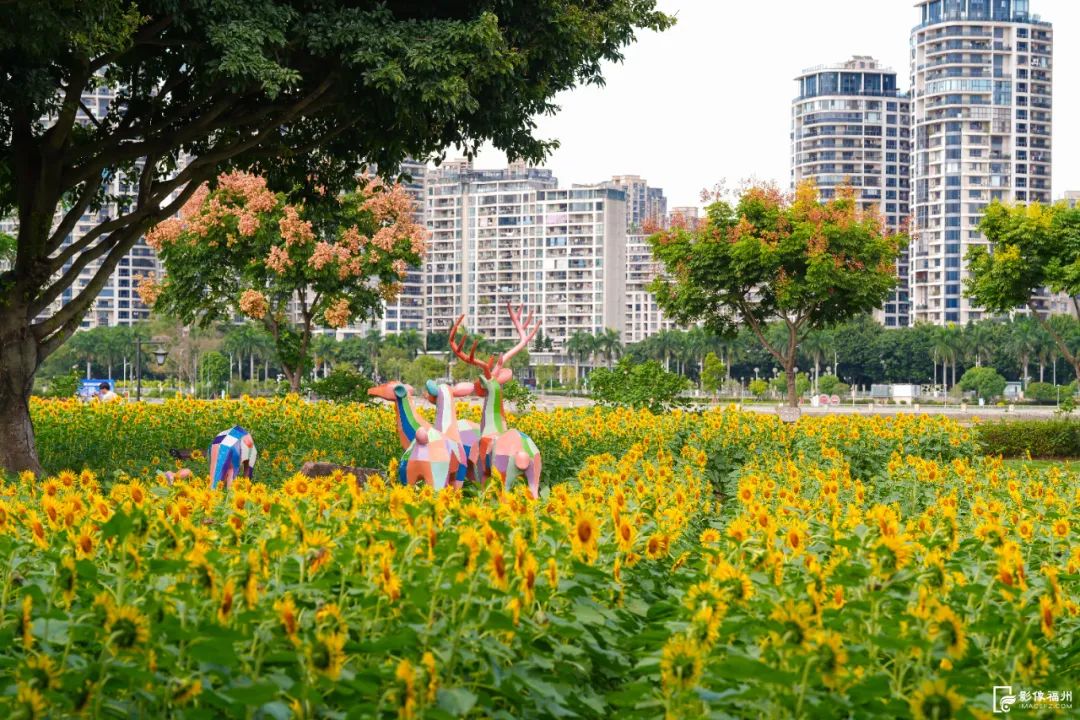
160 353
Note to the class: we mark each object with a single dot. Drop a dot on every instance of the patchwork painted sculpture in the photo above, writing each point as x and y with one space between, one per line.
510 451
463 433
429 456
231 454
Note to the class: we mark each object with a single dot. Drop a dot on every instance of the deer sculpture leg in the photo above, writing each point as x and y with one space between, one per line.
510 451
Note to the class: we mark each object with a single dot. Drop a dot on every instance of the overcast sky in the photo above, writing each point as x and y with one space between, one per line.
710 99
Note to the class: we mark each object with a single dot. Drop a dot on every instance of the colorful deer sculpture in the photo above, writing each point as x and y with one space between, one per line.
463 433
232 454
429 456
510 451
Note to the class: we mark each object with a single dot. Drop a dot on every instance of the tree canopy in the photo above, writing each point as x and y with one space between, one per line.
801 262
1035 248
241 249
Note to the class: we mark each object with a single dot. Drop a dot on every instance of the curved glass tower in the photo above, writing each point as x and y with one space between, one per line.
850 126
981 118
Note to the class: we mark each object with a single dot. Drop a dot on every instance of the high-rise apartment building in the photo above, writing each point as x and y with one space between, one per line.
406 311
1072 198
981 73
644 204
118 303
512 236
850 126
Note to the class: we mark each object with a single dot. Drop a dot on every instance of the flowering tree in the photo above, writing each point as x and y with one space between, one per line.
769 258
240 248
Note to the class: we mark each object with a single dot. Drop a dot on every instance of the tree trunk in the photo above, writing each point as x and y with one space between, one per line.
18 362
792 392
251 366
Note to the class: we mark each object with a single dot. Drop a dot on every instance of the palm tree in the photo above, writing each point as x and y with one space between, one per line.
696 342
978 341
325 349
245 340
580 346
609 344
941 348
411 341
1024 343
666 344
816 345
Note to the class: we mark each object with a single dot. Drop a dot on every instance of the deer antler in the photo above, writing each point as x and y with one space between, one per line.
459 350
525 334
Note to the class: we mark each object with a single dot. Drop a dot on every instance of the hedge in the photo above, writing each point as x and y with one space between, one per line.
1039 438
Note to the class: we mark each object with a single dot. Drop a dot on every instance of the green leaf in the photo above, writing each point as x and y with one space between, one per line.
456 701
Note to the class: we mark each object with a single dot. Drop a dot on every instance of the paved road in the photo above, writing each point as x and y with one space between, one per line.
953 411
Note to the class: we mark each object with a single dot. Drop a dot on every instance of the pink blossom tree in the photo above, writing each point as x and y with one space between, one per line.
240 249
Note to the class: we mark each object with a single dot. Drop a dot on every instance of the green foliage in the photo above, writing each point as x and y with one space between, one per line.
519 396
758 388
546 374
985 382
64 386
804 264
343 384
637 385
1042 392
1059 438
713 373
1034 247
214 371
422 369
829 385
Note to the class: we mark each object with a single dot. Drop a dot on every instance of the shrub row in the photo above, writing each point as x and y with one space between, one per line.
1037 438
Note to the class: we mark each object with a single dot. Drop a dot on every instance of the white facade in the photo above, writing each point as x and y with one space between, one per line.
511 235
850 126
643 316
981 74
1072 198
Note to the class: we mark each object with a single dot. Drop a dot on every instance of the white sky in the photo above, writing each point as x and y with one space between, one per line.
710 99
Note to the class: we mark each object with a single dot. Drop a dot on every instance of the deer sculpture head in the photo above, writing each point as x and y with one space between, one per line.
493 372
512 453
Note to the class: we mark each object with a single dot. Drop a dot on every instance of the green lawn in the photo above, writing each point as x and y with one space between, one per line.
1069 463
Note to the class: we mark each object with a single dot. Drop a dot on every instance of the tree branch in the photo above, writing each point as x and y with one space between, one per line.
72 217
1058 340
145 215
755 327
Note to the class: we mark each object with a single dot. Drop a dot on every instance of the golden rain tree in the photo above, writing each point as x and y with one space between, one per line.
799 261
242 249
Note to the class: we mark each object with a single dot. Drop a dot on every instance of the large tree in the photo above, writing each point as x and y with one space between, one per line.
1035 248
304 91
241 249
800 262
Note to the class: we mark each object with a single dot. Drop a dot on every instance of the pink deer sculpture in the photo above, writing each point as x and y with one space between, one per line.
510 451
463 433
429 456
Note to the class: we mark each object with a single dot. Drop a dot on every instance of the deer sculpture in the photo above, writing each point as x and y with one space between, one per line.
429 456
463 433
510 451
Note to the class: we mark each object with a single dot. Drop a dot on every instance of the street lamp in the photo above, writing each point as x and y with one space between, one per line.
160 353
756 371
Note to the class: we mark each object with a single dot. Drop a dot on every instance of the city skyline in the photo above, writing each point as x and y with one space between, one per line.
656 119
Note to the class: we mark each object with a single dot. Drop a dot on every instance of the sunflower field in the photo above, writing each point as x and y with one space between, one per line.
719 564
